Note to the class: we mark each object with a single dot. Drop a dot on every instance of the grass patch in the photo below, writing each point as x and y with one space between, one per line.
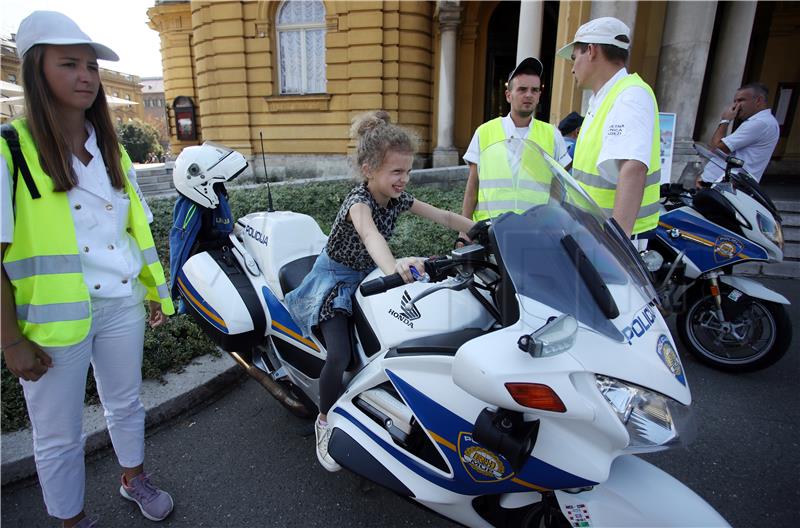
172 346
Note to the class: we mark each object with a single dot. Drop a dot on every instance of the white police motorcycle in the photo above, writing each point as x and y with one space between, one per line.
514 388
725 320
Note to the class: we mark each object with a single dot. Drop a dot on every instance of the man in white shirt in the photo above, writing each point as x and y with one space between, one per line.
755 139
616 156
523 91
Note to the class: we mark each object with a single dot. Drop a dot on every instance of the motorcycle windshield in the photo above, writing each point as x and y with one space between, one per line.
741 179
557 246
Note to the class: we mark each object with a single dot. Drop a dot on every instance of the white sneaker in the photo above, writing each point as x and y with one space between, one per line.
323 434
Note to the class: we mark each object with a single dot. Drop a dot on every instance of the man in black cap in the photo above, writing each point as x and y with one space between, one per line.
522 92
569 128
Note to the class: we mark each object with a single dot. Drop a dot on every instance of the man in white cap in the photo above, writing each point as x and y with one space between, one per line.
617 152
523 90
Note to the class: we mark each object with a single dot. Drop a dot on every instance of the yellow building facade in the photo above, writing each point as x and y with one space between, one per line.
296 72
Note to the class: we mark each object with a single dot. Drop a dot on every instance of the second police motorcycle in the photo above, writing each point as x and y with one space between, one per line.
728 321
513 388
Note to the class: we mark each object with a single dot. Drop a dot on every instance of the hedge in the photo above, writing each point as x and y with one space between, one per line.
170 347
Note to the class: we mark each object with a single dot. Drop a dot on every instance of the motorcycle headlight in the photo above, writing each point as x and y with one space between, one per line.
770 229
654 422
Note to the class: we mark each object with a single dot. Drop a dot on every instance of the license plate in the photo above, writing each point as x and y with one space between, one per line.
735 295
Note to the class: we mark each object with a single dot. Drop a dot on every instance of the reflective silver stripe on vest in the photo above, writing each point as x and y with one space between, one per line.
163 291
508 183
42 265
599 182
506 205
644 211
648 210
593 180
150 255
53 313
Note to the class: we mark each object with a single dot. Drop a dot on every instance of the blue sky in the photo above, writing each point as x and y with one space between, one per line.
119 24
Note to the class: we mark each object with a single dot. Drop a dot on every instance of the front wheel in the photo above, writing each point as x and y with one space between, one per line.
755 337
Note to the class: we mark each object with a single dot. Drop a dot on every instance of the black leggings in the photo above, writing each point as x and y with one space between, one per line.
336 333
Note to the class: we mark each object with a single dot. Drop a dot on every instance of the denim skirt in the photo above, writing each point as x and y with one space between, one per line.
305 302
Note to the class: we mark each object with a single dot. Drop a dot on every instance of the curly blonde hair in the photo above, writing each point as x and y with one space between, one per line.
376 135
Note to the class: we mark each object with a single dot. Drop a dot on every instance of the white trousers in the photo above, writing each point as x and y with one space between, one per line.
55 402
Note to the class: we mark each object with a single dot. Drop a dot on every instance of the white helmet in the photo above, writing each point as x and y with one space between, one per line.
198 168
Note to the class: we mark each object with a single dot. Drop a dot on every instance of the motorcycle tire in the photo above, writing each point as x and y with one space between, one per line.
544 515
764 328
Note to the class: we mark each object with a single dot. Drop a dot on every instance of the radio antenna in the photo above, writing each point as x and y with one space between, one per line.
270 209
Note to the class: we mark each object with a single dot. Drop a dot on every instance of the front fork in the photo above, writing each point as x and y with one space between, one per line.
725 328
712 279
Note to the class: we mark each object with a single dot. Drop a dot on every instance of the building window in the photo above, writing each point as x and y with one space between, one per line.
12 78
301 47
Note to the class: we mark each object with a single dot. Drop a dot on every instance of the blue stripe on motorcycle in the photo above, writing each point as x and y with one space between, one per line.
707 244
451 428
282 321
193 297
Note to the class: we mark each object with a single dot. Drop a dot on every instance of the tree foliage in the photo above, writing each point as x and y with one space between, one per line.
139 139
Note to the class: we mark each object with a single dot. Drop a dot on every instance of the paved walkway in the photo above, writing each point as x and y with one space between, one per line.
178 392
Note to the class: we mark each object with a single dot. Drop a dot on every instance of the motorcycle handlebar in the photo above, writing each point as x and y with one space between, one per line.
381 284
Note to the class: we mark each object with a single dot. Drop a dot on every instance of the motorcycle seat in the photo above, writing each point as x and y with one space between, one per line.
438 344
292 274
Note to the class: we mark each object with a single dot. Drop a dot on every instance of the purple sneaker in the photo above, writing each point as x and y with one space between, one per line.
154 503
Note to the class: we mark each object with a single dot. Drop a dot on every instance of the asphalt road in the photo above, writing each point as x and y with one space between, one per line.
243 461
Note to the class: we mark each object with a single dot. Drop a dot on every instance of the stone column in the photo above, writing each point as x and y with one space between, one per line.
625 11
681 69
445 154
565 96
529 35
730 56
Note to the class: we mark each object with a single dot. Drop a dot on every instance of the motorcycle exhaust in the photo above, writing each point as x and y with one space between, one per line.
274 388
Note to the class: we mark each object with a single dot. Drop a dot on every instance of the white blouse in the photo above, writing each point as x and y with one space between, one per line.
110 258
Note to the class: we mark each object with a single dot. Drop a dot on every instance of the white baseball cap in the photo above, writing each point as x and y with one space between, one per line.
51 27
603 30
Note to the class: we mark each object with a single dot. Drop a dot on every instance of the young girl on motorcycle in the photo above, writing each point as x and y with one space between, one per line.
356 245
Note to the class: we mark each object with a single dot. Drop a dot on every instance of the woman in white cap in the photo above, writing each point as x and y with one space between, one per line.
78 260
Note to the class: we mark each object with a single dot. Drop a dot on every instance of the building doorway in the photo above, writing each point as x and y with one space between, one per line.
501 56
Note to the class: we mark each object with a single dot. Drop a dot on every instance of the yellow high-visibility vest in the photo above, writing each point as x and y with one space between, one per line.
498 190
587 152
43 263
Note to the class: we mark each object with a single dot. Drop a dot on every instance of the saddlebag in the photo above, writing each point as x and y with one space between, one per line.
221 298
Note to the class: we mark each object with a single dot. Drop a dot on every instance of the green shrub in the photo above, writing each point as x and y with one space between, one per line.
140 139
170 347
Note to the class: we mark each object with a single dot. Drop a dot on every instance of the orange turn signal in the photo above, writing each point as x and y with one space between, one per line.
536 396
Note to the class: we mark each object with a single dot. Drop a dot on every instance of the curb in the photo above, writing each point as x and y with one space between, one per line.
162 399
